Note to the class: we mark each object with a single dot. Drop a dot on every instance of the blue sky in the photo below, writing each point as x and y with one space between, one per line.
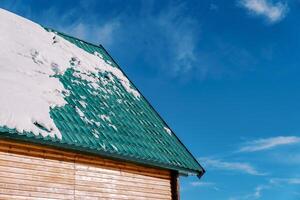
223 74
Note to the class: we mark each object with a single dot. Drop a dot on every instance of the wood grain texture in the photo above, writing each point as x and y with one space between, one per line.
35 172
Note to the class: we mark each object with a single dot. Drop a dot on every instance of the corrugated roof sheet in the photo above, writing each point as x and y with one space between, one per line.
115 123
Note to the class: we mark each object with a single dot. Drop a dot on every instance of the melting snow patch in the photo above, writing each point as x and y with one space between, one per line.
119 100
96 123
89 78
105 117
113 126
85 119
114 147
95 133
80 113
103 146
77 82
168 130
83 104
30 57
94 93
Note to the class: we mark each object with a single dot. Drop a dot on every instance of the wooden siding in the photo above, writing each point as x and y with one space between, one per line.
35 172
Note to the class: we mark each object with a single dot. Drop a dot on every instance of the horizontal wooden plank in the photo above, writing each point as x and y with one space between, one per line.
80 179
40 188
52 169
95 189
112 174
34 177
98 187
17 197
103 169
112 198
56 176
35 160
27 193
8 178
124 166
35 152
115 179
83 180
118 195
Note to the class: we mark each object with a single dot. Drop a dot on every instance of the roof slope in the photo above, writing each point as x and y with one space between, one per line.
103 113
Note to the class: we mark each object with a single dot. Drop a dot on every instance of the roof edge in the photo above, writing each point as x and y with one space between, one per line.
178 139
95 152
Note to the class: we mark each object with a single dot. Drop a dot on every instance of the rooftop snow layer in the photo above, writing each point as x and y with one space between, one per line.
30 58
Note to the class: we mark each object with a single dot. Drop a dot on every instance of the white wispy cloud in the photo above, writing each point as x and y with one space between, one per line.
103 33
107 30
273 12
255 194
258 191
182 33
269 143
290 181
201 184
230 166
171 32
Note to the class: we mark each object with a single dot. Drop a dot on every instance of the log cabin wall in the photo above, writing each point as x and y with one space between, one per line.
38 173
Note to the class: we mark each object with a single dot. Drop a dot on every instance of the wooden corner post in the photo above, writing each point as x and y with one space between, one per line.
175 186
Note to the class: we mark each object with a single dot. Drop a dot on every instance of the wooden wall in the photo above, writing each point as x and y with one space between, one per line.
35 172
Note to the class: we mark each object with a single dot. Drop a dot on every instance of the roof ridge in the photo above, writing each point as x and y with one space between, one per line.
73 37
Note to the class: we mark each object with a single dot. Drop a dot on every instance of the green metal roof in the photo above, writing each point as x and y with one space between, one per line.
134 131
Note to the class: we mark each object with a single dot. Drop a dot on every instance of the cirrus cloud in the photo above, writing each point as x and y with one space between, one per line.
272 12
269 143
231 166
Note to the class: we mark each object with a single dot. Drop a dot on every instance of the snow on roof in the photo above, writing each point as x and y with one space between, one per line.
30 57
168 130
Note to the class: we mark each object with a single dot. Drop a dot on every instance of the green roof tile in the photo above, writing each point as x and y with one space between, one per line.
133 132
